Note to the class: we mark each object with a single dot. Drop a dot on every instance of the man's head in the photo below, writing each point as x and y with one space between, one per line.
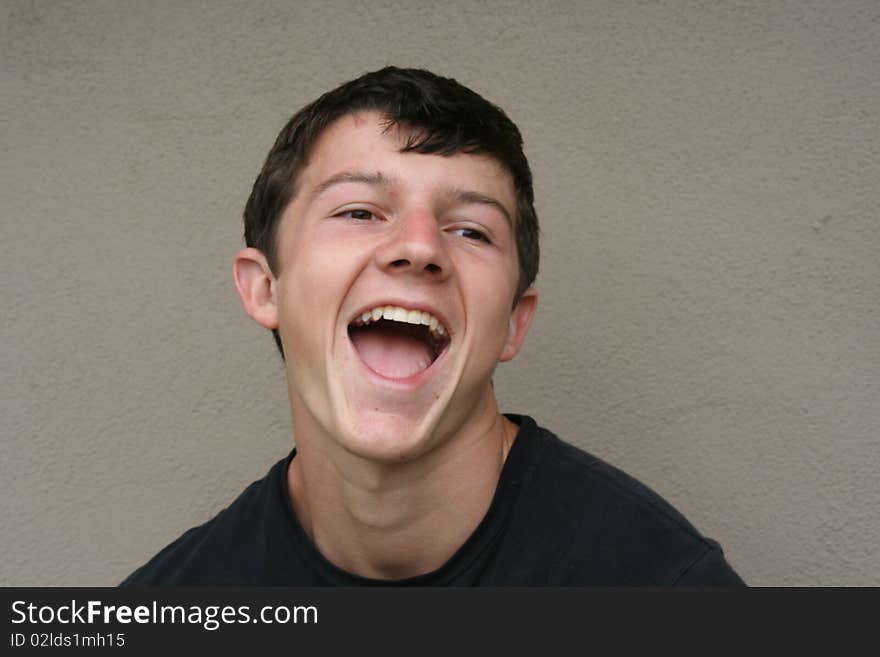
439 116
392 243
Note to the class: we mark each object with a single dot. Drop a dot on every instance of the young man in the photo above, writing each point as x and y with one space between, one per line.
392 245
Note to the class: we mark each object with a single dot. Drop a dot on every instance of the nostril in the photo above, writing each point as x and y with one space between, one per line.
400 263
432 268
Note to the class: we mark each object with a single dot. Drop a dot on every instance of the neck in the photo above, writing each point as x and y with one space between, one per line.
393 521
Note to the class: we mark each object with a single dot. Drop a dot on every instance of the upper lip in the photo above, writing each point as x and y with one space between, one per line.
409 305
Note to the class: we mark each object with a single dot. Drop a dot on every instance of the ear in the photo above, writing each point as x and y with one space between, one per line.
520 321
255 283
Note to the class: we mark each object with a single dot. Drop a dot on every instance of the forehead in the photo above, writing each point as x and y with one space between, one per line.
364 142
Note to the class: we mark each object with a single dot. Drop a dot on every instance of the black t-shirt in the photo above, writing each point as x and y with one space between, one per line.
559 517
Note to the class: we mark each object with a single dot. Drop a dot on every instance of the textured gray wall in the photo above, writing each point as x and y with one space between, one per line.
707 174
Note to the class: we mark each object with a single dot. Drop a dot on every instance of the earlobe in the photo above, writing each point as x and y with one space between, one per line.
255 284
520 321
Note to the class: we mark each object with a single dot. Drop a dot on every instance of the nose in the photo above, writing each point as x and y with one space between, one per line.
416 247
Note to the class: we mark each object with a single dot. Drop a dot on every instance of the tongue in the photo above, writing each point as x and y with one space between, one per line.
390 352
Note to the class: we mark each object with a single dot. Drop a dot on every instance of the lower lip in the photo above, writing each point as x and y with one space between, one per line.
403 383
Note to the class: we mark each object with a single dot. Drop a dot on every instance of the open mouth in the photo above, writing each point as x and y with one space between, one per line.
396 342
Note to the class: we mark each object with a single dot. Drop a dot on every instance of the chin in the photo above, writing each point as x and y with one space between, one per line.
388 437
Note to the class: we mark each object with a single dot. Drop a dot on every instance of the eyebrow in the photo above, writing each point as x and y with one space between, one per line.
469 197
455 195
375 179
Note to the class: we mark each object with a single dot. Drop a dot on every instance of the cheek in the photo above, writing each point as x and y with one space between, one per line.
493 280
307 304
490 313
316 269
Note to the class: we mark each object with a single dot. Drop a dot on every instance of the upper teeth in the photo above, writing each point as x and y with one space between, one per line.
398 314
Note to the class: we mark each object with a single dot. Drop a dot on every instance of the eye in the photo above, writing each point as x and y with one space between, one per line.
358 214
473 234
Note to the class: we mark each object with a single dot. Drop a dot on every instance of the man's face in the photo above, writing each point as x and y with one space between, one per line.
372 228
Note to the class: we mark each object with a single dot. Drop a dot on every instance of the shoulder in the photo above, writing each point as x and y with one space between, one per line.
224 550
609 528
